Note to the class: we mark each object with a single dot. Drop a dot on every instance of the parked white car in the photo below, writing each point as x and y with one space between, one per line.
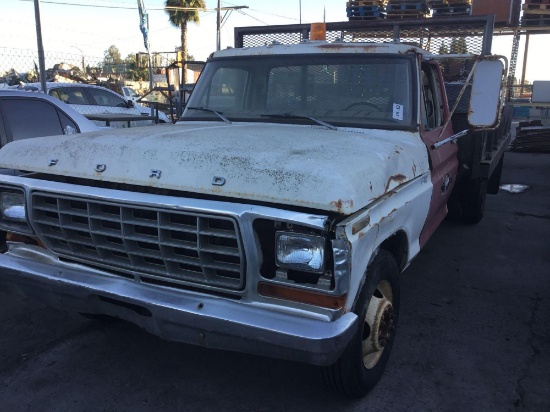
96 100
25 114
130 94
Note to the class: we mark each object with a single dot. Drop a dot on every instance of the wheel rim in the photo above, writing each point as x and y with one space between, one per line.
378 324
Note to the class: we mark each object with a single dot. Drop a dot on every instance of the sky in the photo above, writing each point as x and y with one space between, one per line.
89 30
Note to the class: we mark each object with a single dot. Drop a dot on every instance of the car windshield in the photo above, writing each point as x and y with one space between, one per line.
130 92
341 90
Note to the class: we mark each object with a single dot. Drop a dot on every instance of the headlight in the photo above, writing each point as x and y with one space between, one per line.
300 252
13 214
12 207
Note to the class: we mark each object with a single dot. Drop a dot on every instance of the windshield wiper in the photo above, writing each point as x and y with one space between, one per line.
219 114
297 116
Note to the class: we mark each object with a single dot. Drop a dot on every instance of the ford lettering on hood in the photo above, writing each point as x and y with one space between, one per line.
309 166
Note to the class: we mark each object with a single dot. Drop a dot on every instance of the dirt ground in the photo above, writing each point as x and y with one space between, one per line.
474 335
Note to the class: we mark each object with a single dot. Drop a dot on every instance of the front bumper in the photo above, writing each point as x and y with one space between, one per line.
177 315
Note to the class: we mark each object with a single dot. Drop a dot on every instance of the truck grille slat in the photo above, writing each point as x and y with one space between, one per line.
144 241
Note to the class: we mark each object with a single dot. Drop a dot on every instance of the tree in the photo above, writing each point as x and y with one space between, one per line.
112 56
134 71
459 46
190 57
443 49
180 18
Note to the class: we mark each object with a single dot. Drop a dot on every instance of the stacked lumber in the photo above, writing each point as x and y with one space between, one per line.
407 9
450 8
366 10
536 13
532 137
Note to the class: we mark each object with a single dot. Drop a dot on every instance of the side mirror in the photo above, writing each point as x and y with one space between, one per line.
130 104
487 94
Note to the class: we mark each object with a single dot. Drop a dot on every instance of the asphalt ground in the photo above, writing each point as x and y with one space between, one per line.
474 335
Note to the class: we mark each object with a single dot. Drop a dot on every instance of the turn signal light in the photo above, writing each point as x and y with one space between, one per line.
302 296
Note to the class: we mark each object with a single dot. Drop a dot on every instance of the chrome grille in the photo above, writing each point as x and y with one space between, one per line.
146 242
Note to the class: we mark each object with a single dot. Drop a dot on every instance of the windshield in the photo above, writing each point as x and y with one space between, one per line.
130 92
341 90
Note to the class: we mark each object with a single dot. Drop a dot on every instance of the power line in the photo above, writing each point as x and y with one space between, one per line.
252 17
269 14
98 6
83 5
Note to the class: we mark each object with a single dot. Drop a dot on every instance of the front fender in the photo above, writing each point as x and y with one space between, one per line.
403 209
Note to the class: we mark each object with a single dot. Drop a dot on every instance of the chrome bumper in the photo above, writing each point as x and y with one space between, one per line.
178 315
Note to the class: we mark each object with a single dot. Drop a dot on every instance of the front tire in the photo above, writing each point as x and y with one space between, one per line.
363 362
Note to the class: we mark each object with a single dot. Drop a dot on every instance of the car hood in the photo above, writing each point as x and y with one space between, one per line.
308 166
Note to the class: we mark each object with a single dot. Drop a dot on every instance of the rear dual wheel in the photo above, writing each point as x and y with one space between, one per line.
467 202
363 362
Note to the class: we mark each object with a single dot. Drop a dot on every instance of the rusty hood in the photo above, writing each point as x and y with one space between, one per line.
309 166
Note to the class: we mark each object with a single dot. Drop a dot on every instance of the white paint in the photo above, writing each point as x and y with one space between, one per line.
323 47
405 210
541 92
309 166
487 88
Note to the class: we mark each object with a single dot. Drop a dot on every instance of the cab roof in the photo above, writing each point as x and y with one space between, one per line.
322 47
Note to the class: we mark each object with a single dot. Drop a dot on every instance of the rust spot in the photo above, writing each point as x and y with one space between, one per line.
339 204
339 46
397 179
361 234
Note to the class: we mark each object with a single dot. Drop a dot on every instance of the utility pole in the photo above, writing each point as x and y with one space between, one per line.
82 55
221 20
41 58
144 27
525 55
219 27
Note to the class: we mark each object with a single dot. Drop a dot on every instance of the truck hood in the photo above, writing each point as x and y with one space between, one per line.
309 166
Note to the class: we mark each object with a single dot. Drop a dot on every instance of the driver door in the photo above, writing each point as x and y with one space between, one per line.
444 160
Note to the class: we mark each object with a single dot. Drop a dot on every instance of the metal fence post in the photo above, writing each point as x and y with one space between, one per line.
41 58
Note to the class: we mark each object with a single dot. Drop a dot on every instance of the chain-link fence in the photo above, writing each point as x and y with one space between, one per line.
81 81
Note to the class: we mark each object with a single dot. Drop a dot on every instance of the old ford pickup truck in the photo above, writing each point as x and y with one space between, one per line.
274 218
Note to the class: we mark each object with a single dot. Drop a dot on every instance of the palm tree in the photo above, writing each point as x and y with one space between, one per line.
180 17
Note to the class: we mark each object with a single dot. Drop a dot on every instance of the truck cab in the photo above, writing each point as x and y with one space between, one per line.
392 93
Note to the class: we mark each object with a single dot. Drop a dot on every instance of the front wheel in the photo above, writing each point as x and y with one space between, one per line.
363 362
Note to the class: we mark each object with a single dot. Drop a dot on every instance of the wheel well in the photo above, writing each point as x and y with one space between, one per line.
397 245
